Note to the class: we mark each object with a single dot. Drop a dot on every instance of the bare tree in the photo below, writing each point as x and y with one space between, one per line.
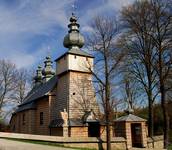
13 87
151 23
22 85
131 90
162 37
136 22
7 82
107 62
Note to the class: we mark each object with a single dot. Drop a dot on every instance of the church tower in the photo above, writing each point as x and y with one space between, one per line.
75 92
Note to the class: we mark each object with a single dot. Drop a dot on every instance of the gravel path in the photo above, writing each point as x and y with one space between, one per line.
17 145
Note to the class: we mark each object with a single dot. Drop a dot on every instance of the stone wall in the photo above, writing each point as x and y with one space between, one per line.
155 142
78 131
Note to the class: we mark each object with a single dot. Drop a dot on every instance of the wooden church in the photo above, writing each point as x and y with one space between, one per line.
62 102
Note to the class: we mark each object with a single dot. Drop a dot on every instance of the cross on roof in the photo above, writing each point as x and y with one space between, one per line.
74 7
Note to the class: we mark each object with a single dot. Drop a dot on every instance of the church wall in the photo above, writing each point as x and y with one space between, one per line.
52 104
23 122
23 126
42 106
31 121
62 94
13 123
28 121
80 63
81 94
62 65
17 123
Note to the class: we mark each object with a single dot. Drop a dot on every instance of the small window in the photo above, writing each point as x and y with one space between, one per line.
74 93
75 56
64 57
24 119
41 118
86 58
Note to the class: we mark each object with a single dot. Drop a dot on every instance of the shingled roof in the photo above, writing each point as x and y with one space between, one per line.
36 93
129 118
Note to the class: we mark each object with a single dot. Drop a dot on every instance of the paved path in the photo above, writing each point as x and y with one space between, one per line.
16 145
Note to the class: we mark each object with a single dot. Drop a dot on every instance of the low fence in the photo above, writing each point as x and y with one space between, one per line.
118 143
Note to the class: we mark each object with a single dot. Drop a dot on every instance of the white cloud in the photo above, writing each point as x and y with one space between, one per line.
86 29
108 6
27 19
21 23
33 16
24 59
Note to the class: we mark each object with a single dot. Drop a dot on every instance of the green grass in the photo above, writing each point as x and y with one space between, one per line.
170 147
46 143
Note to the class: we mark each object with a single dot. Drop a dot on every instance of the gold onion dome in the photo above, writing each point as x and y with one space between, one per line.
73 39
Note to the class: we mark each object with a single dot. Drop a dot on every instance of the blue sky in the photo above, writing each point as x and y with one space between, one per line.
32 29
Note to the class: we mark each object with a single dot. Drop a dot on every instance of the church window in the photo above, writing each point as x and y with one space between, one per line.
86 58
24 119
41 118
75 56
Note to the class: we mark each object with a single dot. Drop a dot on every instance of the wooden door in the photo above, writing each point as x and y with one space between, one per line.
93 129
136 135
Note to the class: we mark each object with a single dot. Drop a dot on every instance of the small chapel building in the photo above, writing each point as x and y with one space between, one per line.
63 102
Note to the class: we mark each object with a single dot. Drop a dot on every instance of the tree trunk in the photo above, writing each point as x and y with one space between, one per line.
150 100
108 138
108 135
166 118
150 119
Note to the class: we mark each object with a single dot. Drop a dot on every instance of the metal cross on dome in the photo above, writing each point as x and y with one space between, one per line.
48 51
74 7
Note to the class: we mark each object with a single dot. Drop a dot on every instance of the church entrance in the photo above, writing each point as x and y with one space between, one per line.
136 135
93 129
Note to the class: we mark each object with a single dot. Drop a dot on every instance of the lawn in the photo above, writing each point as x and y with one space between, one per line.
46 143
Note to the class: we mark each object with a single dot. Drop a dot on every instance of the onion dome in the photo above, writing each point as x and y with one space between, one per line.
73 39
38 77
48 71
